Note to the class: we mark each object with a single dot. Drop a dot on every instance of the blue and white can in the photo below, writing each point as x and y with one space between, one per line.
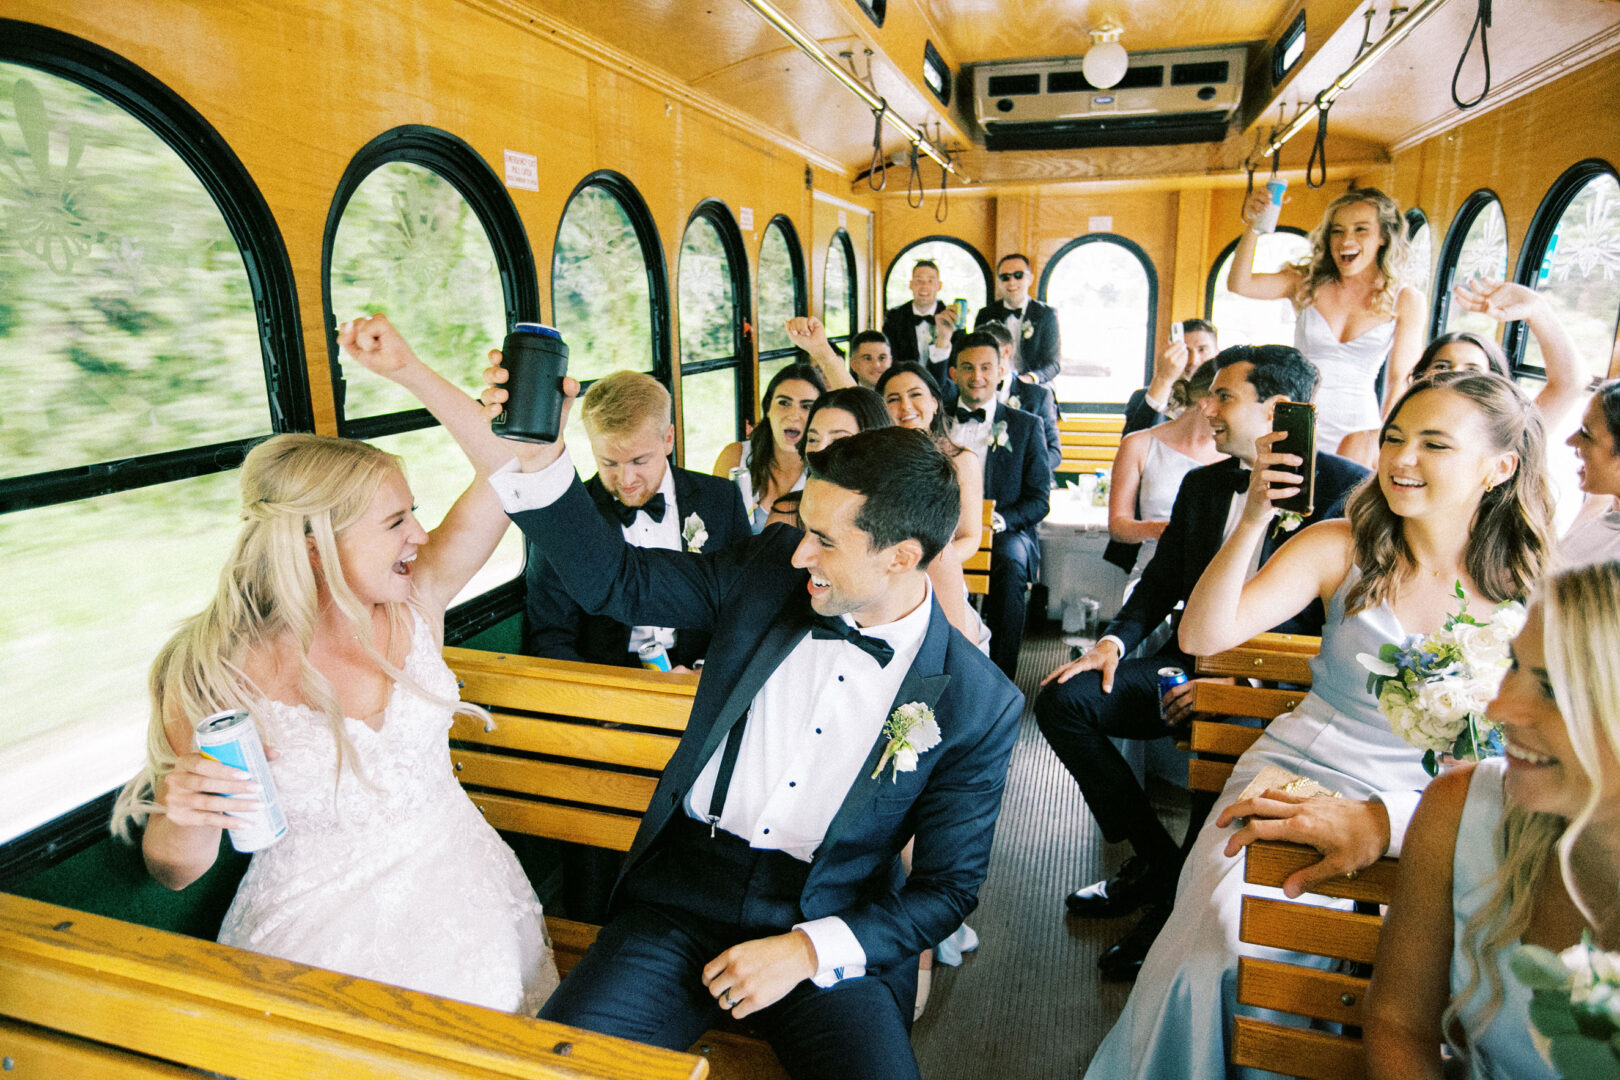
653 656
230 738
1169 679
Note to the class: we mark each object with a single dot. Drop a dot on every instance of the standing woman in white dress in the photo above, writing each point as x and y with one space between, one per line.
327 625
1480 872
1355 309
1460 497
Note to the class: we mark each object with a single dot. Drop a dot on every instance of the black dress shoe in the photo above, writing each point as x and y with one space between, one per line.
1138 882
1123 962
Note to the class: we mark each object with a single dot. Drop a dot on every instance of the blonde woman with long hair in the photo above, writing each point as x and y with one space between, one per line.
327 625
1355 308
1460 498
1481 870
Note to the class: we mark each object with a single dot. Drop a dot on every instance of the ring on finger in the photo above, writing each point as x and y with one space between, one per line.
725 998
1351 876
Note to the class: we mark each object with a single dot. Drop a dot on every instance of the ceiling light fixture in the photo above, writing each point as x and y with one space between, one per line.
1106 60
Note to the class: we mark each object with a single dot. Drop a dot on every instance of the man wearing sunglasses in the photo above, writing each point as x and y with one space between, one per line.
1034 325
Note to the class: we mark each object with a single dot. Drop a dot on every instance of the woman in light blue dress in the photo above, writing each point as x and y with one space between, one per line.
1460 497
1480 873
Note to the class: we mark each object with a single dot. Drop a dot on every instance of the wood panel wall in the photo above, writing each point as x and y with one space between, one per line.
296 87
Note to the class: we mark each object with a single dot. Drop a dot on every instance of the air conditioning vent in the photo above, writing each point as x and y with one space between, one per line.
1167 96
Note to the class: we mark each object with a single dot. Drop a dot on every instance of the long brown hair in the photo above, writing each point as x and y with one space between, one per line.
1511 535
1393 256
762 443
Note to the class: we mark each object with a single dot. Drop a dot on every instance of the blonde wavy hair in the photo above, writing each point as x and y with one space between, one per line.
296 490
1393 258
1581 636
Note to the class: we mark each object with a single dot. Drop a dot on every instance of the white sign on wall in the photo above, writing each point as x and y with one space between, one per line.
745 218
1100 224
843 219
522 171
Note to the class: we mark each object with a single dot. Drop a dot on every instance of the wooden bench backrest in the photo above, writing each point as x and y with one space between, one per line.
1272 657
977 568
1303 991
577 748
85 979
1089 441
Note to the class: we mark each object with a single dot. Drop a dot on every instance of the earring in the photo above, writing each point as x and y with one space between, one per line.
1488 485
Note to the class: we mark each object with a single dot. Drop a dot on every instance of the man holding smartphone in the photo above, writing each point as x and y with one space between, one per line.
1193 343
1104 695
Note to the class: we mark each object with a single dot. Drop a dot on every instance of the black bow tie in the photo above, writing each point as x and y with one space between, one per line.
828 627
1239 480
627 514
965 416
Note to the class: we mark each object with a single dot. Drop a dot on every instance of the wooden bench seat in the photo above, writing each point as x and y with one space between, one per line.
1089 441
1217 743
1315 994
976 570
575 756
86 996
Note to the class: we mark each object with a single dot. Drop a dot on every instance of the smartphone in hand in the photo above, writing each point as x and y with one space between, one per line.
1177 332
1298 419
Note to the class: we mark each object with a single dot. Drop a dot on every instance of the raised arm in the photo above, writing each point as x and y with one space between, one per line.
1411 981
1411 315
1567 376
1123 524
467 536
1224 611
1242 279
970 521
810 336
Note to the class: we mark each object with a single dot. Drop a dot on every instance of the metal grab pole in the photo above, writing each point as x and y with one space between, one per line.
812 48
1392 37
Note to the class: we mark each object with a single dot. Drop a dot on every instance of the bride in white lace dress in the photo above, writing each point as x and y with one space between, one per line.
328 624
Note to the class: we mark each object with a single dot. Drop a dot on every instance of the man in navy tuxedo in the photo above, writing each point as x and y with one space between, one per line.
1103 694
656 505
1017 475
1034 326
1031 397
921 330
765 879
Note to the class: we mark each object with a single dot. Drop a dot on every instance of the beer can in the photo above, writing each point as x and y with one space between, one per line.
653 656
1169 679
961 306
230 738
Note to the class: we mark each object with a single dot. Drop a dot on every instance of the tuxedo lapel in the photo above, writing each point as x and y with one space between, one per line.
925 681
792 623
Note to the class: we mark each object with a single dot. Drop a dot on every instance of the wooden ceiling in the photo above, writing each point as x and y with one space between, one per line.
723 52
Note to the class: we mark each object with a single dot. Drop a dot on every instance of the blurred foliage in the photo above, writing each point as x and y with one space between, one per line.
1241 321
1484 254
409 246
1582 273
838 305
1100 291
708 310
778 293
600 296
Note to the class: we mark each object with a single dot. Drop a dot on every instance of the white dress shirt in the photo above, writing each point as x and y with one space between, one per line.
925 336
975 434
810 730
644 532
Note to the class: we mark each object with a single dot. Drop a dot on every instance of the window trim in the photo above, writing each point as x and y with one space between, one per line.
1533 248
252 226
1445 267
652 256
1279 51
932 59
978 258
1152 308
848 249
801 290
741 360
456 162
1211 280
876 10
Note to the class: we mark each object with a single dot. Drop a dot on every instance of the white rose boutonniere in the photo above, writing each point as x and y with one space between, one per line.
693 532
1029 330
912 730
1289 520
998 435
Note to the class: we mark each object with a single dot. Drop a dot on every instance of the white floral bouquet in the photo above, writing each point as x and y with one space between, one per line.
1433 689
1574 1007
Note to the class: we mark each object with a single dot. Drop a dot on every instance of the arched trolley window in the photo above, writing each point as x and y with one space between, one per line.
1571 255
147 317
1420 235
1240 320
1476 247
782 295
609 290
712 290
962 272
422 230
1107 295
840 304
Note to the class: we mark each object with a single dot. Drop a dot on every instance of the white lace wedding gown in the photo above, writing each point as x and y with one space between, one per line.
389 872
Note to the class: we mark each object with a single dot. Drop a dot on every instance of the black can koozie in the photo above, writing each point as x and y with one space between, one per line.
536 359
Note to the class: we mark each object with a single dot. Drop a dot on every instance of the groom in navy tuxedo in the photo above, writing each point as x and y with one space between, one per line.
765 878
